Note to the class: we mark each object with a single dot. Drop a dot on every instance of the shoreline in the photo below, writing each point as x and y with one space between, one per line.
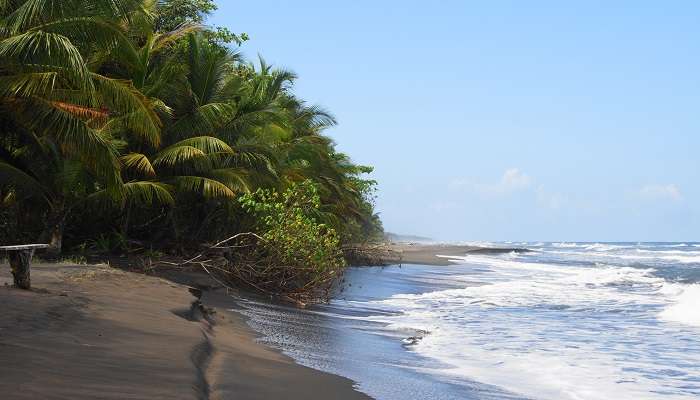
100 326
428 254
92 331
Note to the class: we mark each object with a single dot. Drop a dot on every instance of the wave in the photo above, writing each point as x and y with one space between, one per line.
515 314
566 245
683 259
641 255
685 309
669 251
516 283
603 247
475 243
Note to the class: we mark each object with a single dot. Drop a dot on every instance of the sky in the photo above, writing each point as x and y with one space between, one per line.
504 120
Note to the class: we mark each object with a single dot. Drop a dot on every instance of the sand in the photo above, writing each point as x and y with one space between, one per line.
92 331
88 332
430 254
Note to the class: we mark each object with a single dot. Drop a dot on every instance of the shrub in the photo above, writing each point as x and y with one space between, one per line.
295 255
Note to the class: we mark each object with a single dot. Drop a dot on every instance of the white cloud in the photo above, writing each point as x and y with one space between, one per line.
662 192
512 180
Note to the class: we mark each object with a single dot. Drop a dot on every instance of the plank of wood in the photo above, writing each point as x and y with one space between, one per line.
24 247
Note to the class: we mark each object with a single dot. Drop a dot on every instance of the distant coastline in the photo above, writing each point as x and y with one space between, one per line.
438 254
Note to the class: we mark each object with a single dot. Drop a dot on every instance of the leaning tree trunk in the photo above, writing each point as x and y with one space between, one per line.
19 262
53 230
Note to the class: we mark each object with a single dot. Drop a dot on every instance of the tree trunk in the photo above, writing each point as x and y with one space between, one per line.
19 262
125 227
53 230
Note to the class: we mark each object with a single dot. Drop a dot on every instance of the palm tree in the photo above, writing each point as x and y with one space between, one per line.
98 105
59 116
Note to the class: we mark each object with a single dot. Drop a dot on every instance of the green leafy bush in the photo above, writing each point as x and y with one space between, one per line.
302 257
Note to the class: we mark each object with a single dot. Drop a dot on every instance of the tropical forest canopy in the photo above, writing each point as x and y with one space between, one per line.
128 125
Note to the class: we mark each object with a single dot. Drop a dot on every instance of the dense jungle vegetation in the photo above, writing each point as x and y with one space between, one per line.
129 126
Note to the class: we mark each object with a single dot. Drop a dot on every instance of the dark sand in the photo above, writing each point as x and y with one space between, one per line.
94 332
427 254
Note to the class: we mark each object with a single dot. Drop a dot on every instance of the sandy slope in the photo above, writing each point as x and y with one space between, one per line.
88 332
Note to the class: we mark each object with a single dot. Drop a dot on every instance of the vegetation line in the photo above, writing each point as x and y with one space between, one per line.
130 127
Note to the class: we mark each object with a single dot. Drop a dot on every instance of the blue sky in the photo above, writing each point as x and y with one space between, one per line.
504 120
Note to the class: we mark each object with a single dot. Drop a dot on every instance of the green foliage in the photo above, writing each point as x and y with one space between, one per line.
112 242
172 14
126 121
287 222
294 238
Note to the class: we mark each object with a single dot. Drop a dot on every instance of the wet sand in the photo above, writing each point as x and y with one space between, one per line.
87 332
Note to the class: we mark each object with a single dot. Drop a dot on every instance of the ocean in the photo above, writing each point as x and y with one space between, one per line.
579 321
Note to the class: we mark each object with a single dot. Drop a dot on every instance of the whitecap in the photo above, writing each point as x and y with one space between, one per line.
685 308
565 245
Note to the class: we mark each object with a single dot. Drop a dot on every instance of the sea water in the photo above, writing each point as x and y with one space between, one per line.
564 321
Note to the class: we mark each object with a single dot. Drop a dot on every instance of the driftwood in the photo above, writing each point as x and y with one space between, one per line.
244 259
211 258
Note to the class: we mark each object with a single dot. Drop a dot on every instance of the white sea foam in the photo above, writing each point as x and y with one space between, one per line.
686 252
504 329
635 255
518 283
571 321
566 245
686 306
602 247
679 258
475 244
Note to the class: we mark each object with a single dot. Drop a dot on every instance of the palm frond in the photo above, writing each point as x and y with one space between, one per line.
205 187
29 84
77 138
235 179
51 51
177 155
148 193
123 98
204 120
207 144
11 176
34 12
138 162
164 40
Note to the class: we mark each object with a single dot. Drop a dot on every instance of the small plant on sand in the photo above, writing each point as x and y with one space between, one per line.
75 259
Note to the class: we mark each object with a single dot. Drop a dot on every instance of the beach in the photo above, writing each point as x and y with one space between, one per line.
599 320
91 331
416 329
440 254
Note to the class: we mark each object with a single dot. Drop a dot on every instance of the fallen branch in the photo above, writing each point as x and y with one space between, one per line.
248 260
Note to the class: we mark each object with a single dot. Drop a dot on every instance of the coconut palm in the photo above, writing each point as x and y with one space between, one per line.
100 105
59 117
